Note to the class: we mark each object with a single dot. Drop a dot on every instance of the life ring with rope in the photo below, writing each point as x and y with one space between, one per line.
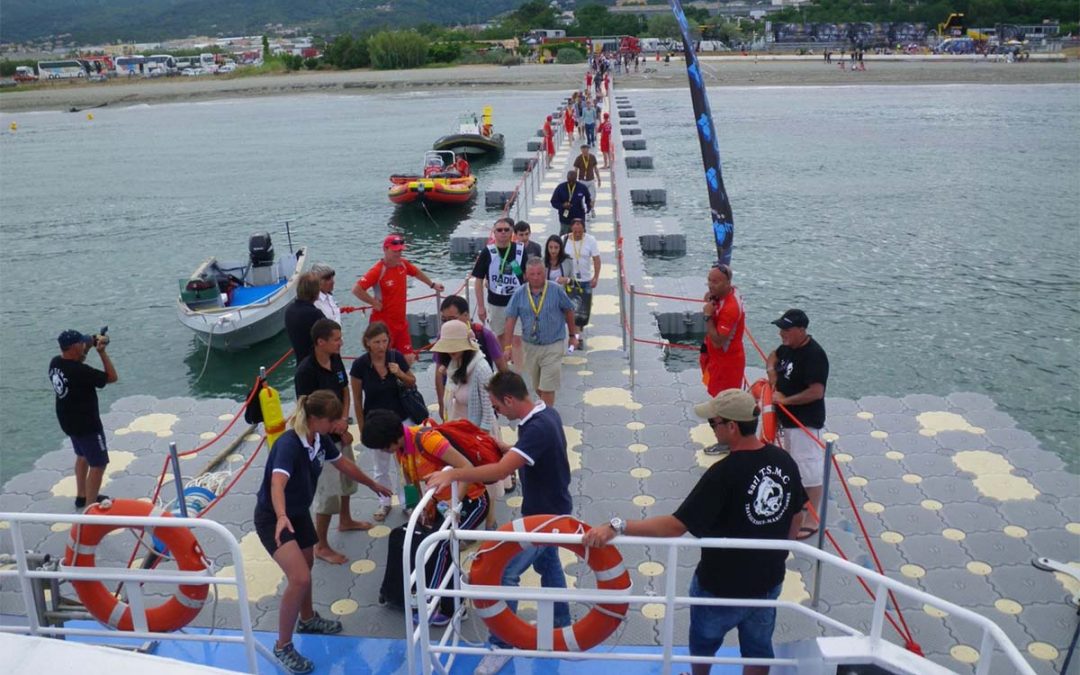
173 614
763 392
602 620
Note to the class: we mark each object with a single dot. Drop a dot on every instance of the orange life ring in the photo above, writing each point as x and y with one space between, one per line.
589 631
763 393
171 615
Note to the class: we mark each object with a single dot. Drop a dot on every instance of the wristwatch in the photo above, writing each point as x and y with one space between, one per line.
618 524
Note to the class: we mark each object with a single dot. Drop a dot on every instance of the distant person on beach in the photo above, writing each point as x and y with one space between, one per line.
725 321
282 516
75 385
799 370
755 493
324 369
389 279
540 455
501 268
571 200
546 316
326 302
587 171
302 314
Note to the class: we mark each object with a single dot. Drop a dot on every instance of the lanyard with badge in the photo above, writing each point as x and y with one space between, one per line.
585 167
514 267
576 246
536 310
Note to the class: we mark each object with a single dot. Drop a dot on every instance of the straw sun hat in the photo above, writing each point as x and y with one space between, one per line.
455 336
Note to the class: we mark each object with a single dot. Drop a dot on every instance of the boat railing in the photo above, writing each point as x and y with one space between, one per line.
438 656
132 580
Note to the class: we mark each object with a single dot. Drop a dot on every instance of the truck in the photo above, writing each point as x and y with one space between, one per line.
25 74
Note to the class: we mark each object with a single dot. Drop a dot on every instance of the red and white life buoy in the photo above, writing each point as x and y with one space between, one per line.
762 391
173 614
592 629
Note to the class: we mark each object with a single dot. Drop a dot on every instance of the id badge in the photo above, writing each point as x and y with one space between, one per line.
535 329
412 496
566 213
515 268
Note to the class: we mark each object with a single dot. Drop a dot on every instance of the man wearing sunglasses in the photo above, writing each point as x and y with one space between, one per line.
389 279
754 493
500 265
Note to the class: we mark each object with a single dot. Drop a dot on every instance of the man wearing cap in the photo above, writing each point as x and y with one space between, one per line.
753 493
76 385
587 172
326 303
389 278
725 320
501 266
572 200
798 372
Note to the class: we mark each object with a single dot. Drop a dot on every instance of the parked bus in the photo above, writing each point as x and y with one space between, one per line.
130 65
160 64
208 62
60 70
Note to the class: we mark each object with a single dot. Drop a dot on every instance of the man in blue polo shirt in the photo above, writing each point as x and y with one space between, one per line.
540 455
547 317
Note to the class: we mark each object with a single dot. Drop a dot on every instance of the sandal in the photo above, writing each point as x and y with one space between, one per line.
381 513
317 624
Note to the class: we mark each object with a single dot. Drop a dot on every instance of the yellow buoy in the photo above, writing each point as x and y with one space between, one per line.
13 126
90 116
273 419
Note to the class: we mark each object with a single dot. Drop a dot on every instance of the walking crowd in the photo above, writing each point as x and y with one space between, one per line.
497 365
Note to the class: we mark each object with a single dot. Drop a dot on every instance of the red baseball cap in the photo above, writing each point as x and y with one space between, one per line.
394 242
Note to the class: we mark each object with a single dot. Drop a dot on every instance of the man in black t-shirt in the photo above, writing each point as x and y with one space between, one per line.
302 314
76 385
501 266
753 493
798 372
324 369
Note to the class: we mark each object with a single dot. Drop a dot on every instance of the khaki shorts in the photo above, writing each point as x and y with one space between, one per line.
543 365
497 322
333 485
807 454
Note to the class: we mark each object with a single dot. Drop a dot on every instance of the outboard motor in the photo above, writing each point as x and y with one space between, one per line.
261 251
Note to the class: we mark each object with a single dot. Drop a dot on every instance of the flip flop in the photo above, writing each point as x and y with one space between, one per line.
806 533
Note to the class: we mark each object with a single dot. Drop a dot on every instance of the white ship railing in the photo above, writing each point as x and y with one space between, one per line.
132 580
420 641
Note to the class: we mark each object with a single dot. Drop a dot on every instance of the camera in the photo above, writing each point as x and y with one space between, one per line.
101 337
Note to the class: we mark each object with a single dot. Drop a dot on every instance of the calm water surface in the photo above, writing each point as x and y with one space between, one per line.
930 232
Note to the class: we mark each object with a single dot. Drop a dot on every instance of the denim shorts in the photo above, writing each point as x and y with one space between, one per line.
709 625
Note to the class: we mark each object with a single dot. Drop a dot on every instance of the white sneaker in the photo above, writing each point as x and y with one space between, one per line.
491 664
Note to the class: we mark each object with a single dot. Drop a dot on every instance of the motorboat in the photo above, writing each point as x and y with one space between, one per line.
474 137
232 305
441 182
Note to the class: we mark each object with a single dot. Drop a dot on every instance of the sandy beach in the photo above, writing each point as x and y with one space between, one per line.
720 71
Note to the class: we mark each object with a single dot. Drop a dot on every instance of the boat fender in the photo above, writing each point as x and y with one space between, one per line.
602 620
273 417
173 614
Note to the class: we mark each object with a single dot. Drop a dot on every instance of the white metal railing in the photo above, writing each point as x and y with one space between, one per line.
132 579
452 586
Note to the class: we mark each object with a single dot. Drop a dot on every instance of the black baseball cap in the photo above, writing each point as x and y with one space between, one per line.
793 318
73 337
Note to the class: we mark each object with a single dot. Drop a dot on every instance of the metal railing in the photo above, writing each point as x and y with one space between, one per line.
132 580
992 636
528 185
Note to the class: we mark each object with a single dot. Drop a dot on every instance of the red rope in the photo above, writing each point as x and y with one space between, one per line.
235 478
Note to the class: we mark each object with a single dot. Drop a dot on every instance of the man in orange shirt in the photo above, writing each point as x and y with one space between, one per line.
389 278
725 321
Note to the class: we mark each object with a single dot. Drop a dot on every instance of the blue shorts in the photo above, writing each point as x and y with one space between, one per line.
91 447
709 625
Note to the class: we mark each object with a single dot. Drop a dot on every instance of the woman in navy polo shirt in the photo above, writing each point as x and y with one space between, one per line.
283 515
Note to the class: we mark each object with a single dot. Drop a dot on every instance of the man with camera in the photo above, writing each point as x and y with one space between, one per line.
76 385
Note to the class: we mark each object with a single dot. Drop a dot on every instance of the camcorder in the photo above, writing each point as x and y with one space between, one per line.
101 337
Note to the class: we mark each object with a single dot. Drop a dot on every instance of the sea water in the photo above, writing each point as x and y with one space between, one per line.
930 232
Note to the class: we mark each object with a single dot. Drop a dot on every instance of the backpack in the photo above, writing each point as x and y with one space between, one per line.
475 444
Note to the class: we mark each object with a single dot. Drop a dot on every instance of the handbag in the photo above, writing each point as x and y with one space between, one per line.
581 299
412 402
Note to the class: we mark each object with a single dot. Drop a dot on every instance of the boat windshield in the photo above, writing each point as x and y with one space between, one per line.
468 123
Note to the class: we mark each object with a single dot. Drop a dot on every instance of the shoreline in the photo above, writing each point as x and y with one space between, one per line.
720 72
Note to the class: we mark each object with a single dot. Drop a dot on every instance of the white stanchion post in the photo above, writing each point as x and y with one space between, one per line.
823 520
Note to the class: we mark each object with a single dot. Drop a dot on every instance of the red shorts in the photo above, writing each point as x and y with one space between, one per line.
400 339
725 373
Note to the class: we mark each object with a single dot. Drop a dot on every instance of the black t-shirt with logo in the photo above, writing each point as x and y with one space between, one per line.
76 385
311 376
750 494
796 370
